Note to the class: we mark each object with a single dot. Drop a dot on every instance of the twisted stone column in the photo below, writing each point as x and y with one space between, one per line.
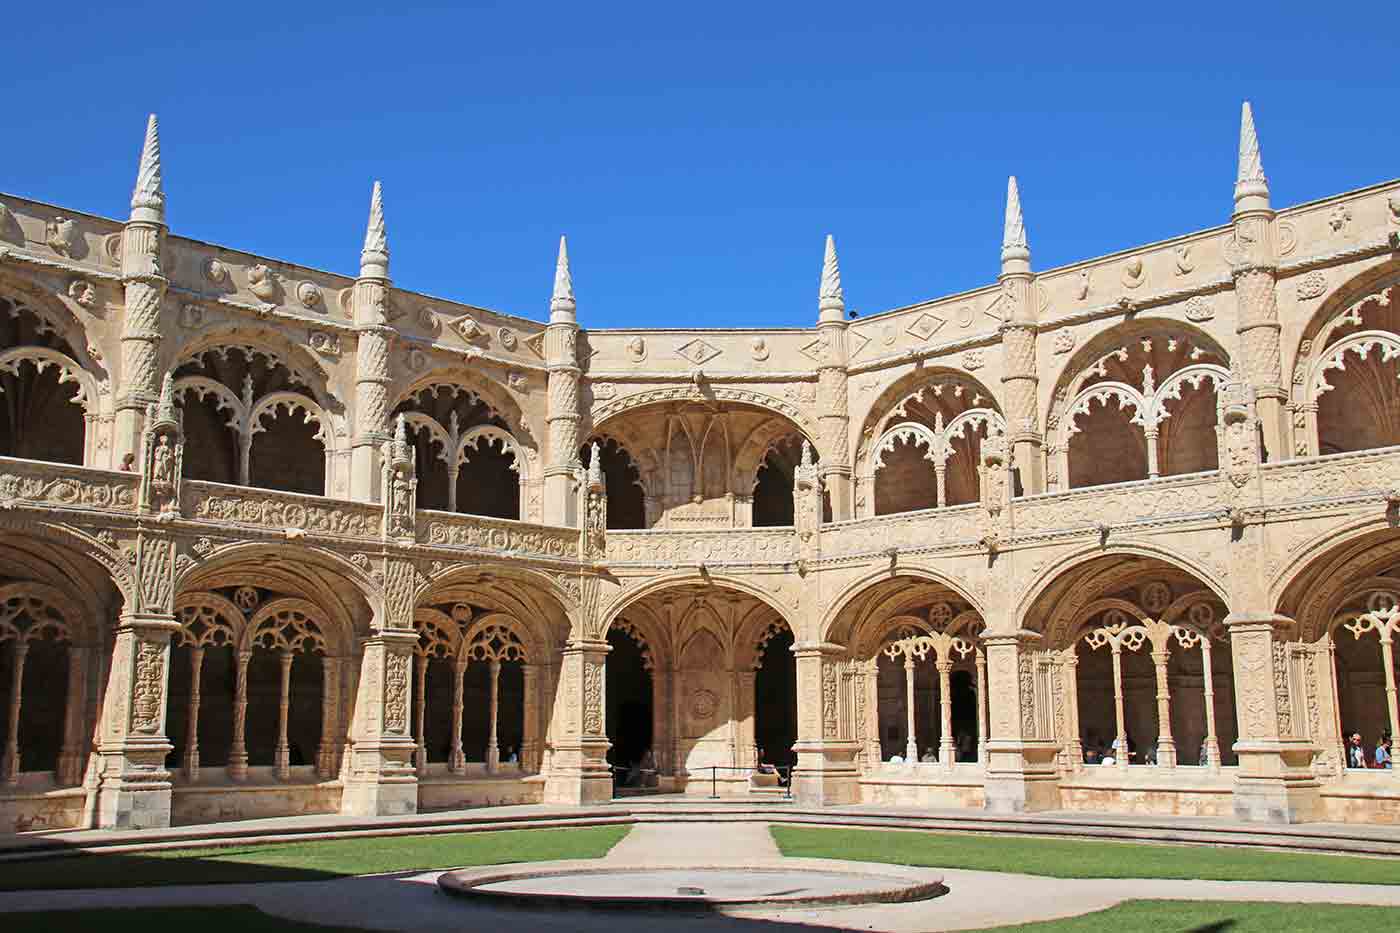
1166 745
947 750
493 741
10 770
192 725
420 713
238 752
71 757
911 745
457 760
284 752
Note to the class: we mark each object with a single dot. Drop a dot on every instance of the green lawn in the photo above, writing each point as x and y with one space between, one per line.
1221 916
308 861
1065 858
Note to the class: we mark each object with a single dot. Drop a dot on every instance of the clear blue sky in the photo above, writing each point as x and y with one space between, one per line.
695 154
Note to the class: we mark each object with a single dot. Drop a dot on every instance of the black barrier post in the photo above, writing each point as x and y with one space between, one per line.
714 782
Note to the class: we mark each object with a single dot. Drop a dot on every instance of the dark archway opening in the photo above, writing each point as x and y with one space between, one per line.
287 454
964 693
629 709
775 701
626 505
487 482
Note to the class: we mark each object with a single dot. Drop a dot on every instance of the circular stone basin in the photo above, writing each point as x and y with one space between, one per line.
776 883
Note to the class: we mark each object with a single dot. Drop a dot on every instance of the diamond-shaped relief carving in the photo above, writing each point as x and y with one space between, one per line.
925 326
818 348
697 351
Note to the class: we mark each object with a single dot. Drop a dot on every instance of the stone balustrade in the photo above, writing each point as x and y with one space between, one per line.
64 486
1163 500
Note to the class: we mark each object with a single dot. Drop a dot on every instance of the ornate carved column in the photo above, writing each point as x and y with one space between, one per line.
457 760
330 703
130 780
192 716
1021 766
747 750
238 752
870 688
145 284
72 757
826 763
982 706
1275 782
1254 266
1074 744
1212 738
579 767
947 750
283 760
562 413
493 741
11 764
1166 745
380 779
374 339
1018 308
1122 754
833 413
420 713
911 743
529 733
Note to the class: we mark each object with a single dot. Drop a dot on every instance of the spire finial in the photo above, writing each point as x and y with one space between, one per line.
1014 247
561 304
148 197
374 258
1251 187
831 299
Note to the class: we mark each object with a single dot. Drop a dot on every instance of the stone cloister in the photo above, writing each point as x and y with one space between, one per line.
1116 536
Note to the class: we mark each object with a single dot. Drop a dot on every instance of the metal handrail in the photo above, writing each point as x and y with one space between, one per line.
784 775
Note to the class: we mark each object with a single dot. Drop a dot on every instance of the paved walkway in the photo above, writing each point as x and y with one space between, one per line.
411 901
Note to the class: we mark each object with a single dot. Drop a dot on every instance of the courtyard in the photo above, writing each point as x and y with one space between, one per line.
340 879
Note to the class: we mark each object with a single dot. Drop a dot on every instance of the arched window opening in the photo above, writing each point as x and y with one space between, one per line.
37 664
905 480
1347 378
1107 448
250 419
626 497
468 460
1146 408
772 492
42 403
926 450
488 482
287 454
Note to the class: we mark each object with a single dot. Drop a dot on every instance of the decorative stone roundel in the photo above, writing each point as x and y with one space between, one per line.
246 598
309 295
1202 615
1312 285
1382 600
1155 597
704 704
